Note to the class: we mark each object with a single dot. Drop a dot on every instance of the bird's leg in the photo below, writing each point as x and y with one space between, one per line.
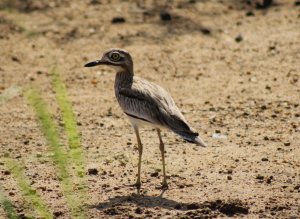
162 150
140 149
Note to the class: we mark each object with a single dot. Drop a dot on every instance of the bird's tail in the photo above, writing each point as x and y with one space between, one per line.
192 137
178 125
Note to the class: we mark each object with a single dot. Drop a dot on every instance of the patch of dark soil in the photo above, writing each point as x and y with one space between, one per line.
229 208
115 211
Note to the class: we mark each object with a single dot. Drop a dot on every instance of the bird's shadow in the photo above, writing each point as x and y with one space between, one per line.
116 205
143 201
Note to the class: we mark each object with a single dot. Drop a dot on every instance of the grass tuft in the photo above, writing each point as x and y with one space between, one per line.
8 207
60 157
28 192
76 156
70 124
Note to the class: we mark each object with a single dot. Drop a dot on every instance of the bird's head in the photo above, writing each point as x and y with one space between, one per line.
118 59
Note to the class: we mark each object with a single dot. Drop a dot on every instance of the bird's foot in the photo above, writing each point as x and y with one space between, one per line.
138 186
164 186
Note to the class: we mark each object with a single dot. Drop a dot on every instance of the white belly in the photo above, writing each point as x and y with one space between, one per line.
140 123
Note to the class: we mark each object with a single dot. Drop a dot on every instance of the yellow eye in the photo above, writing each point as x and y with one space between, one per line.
115 56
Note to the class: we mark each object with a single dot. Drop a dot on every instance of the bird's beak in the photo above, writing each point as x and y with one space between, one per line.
94 63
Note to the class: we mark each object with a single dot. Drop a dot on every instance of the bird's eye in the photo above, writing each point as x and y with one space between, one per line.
115 56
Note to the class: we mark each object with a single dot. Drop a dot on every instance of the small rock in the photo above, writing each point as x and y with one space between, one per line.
219 136
264 159
249 13
264 5
287 143
92 171
229 177
205 31
181 186
6 172
138 210
272 47
259 177
270 179
165 16
118 20
57 213
155 174
15 59
263 107
238 38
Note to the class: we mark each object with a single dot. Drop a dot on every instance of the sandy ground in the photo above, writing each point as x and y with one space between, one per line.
232 68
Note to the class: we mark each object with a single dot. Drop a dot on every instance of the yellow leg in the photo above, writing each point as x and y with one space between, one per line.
140 149
162 150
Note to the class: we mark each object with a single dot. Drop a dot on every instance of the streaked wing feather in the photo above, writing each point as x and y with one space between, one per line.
152 103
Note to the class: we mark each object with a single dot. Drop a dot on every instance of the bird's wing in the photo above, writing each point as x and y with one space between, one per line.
150 102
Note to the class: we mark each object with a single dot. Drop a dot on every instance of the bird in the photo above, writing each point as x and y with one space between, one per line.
145 103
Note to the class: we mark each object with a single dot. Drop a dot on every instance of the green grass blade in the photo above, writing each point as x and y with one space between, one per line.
28 192
60 157
8 207
70 124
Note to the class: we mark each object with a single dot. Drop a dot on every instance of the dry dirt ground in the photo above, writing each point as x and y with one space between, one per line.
231 67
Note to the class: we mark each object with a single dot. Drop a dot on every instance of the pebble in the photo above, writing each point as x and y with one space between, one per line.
118 20
260 177
6 172
138 210
15 59
219 136
270 179
165 16
57 213
205 31
92 171
264 5
155 174
249 13
238 38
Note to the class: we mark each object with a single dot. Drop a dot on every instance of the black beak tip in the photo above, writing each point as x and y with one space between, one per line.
90 64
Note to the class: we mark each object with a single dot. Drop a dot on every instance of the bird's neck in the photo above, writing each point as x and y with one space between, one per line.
124 79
